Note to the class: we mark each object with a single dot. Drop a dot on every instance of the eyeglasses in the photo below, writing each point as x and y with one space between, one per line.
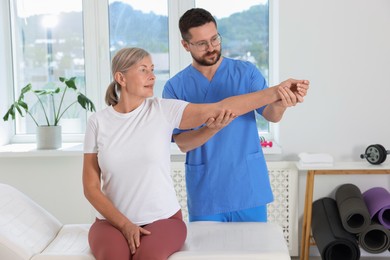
204 45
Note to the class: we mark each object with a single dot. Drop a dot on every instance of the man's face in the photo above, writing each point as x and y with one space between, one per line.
204 45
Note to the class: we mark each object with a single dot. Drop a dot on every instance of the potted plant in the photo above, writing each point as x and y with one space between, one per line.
49 133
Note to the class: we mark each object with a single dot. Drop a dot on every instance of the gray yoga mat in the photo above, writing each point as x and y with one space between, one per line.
333 241
353 210
375 238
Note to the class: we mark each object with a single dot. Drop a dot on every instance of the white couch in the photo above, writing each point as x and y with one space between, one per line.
29 232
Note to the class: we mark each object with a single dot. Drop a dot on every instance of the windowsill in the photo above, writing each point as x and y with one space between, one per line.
76 149
30 150
275 149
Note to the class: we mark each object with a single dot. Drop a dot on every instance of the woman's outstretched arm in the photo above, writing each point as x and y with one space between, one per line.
197 114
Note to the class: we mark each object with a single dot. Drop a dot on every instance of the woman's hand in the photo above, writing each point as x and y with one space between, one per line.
133 235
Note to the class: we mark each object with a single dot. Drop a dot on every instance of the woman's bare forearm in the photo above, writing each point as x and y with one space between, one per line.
245 103
196 114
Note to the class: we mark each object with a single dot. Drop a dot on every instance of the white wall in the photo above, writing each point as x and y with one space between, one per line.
343 48
54 182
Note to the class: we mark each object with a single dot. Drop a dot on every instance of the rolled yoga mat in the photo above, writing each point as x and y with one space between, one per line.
375 239
378 204
353 210
333 241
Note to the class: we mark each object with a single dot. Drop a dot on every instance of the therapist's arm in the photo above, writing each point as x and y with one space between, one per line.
189 140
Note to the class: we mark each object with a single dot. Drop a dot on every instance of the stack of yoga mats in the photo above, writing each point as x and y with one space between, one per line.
339 226
333 241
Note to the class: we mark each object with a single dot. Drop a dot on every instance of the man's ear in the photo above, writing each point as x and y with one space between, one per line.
185 45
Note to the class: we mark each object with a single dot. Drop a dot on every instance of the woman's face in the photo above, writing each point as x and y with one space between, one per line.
140 78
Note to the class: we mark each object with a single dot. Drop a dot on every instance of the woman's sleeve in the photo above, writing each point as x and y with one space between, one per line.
90 138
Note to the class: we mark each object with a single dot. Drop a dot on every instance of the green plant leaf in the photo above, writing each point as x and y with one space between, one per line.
23 104
5 117
19 110
42 92
26 89
85 102
10 112
71 83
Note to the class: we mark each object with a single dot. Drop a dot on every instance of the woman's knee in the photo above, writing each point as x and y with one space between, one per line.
107 242
167 237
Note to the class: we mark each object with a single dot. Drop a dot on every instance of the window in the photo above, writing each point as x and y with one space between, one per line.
243 26
78 38
47 41
133 23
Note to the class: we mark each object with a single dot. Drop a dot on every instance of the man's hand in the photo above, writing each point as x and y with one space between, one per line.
292 92
223 119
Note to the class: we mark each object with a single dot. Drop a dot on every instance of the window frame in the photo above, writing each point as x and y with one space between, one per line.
6 71
97 58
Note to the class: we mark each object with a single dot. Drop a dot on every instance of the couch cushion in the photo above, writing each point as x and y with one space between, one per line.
25 227
70 244
224 241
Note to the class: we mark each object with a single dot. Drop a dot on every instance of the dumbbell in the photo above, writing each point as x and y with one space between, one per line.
375 154
265 143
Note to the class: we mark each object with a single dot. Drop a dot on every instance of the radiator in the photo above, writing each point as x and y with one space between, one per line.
283 210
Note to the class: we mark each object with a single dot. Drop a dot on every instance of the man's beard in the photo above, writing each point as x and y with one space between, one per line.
204 62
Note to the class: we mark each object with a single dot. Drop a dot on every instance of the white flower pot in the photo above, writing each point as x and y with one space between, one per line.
49 137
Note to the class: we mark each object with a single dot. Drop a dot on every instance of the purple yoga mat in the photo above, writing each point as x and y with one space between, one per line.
378 204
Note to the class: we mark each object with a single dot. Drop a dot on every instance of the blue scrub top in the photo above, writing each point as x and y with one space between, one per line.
227 173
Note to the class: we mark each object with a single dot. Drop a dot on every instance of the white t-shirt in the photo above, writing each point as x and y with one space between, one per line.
133 152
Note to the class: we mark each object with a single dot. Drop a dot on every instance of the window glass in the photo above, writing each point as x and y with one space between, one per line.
47 41
143 24
244 27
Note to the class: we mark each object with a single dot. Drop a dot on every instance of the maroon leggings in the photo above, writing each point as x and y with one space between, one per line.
168 236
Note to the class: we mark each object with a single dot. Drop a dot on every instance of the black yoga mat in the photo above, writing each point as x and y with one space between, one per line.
353 210
375 238
333 241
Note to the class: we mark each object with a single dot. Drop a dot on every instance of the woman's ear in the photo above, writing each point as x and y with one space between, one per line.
119 78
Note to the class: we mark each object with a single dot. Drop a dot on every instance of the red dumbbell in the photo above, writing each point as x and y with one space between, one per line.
265 143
